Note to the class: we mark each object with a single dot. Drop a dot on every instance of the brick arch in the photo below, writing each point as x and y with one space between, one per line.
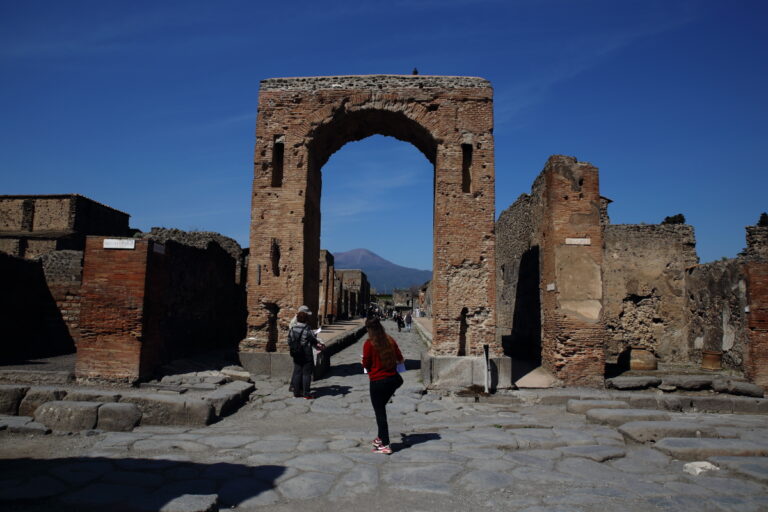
302 122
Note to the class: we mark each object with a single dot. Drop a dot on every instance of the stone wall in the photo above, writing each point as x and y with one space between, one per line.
33 225
302 122
64 274
327 271
31 324
518 275
716 298
356 290
644 272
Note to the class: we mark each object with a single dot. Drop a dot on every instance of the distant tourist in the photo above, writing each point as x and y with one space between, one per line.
293 321
381 356
301 341
408 321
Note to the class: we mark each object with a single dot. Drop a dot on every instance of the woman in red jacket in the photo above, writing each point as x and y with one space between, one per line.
380 358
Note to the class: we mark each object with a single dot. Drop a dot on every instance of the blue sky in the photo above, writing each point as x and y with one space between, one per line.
150 106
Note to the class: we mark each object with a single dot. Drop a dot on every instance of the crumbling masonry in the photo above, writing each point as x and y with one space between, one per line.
301 123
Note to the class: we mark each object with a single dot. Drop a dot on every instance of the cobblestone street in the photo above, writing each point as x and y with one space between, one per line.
451 454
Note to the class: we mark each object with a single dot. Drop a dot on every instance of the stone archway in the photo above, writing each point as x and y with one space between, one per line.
302 122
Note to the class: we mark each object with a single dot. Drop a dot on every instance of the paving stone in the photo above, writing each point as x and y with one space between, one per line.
102 495
343 444
159 409
247 492
652 431
486 480
596 452
703 448
632 382
228 441
306 485
273 445
35 488
37 396
326 462
755 468
750 405
11 397
688 382
225 471
180 487
582 406
362 479
717 403
68 416
138 478
118 417
736 387
312 445
23 425
429 407
422 478
79 473
616 417
229 397
163 445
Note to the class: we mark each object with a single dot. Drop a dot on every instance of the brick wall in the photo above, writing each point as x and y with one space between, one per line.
302 121
573 333
756 364
153 303
64 274
113 320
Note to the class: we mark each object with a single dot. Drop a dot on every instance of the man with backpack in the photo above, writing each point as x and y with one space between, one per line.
301 341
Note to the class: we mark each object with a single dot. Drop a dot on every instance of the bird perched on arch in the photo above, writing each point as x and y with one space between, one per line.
415 71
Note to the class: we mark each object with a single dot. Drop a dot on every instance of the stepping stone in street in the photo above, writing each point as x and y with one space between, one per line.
632 382
616 417
755 468
582 406
689 382
652 431
703 448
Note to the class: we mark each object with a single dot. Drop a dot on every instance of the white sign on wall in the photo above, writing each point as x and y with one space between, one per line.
119 243
578 241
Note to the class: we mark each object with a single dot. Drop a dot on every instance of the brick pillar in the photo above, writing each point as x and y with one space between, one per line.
121 309
756 363
573 334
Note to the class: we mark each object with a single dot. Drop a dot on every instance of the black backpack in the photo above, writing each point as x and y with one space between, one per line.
294 344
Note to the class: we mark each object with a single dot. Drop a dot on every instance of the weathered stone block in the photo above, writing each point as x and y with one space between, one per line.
721 404
644 401
159 409
68 416
632 382
255 363
281 366
675 403
735 387
747 405
582 406
652 431
228 398
452 372
118 417
37 396
616 417
10 398
689 382
703 448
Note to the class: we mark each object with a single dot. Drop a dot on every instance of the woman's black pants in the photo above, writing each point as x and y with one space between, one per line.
381 391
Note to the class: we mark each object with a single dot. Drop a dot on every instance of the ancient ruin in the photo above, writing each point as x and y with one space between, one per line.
301 122
551 285
577 294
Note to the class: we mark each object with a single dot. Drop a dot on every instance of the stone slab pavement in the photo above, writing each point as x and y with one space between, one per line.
280 453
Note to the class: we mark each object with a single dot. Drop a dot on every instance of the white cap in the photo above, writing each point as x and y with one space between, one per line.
305 309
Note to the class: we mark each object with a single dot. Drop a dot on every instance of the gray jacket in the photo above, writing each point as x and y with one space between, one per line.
306 337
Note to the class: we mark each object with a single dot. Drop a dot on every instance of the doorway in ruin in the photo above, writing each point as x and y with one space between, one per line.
302 122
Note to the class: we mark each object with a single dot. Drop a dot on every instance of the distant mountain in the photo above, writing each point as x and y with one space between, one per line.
382 274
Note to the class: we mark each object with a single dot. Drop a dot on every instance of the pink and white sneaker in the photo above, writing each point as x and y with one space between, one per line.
384 449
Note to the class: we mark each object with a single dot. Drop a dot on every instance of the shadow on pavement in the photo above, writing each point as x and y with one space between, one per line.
408 440
333 390
100 483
